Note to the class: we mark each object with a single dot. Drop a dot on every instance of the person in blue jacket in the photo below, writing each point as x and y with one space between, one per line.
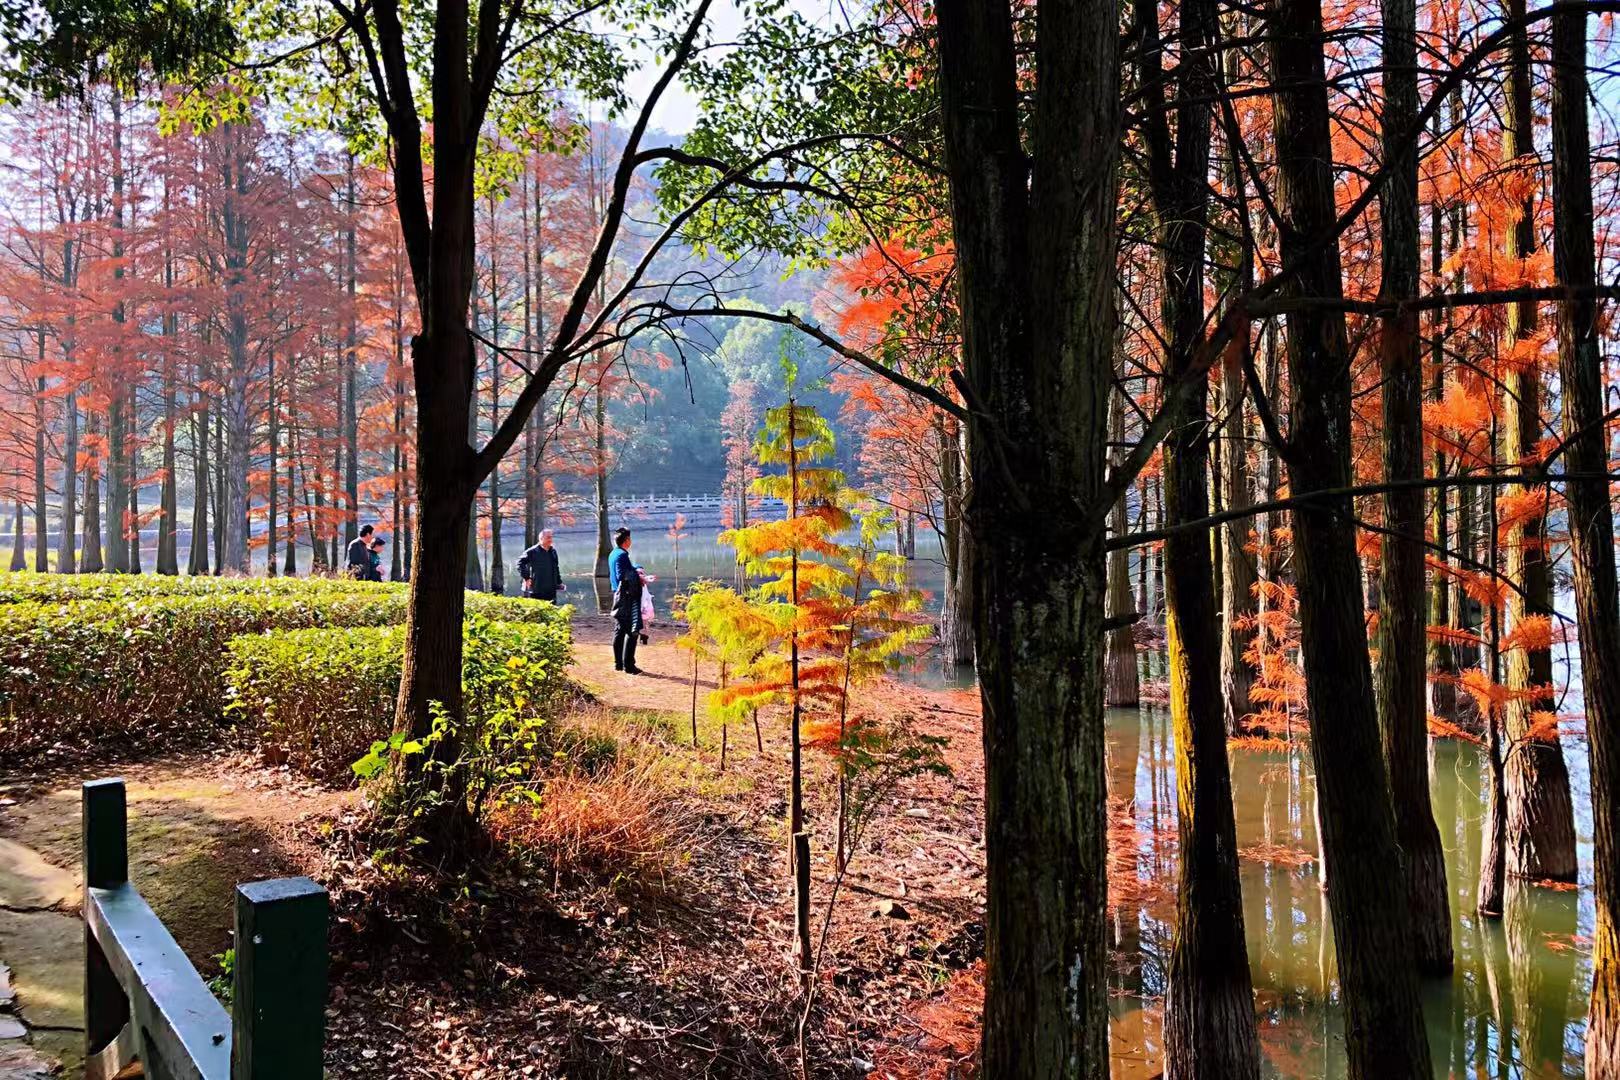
626 582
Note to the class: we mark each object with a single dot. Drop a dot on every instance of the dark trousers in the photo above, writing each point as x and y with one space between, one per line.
627 626
544 594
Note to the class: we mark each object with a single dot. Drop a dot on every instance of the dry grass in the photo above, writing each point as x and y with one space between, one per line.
618 827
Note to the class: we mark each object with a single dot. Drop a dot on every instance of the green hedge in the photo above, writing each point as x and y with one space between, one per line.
24 587
144 666
317 699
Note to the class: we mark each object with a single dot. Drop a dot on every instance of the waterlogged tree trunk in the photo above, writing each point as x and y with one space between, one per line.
1120 685
1591 521
1038 337
1209 1028
1240 573
1541 824
1384 1034
1402 655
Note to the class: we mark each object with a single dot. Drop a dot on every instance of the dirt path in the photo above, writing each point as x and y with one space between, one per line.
198 825
705 970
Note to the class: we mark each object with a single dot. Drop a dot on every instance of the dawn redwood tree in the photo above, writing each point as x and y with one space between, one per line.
1402 653
1209 1028
1034 234
1540 833
1384 1034
1591 517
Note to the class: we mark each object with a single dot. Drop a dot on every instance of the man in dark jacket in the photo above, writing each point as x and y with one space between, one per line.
538 568
359 559
626 581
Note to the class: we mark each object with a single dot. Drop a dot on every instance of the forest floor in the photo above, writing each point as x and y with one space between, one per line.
610 960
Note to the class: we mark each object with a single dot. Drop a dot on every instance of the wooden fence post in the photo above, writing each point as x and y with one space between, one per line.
278 1018
103 824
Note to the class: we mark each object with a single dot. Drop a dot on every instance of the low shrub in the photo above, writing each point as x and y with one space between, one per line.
322 699
314 699
23 587
117 673
123 662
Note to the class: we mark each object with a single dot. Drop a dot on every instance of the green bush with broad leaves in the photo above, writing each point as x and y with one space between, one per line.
322 700
139 662
511 679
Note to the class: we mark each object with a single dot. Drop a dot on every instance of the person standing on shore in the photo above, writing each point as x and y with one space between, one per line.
542 578
627 586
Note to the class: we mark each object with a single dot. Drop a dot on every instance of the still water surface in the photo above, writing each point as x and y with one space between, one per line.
1516 1003
1514 1007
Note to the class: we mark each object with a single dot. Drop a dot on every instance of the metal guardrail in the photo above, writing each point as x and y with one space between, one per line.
147 1011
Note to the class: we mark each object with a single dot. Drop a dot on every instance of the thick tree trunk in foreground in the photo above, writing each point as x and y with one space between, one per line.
1591 522
1402 653
1384 1034
1540 824
1038 336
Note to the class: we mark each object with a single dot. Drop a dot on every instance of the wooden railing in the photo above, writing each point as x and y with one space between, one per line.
148 1013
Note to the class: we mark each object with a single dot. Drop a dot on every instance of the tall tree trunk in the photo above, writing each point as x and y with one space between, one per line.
1241 573
956 628
290 567
1591 521
168 551
396 571
531 431
497 558
1209 1027
1120 684
1442 661
410 531
168 541
19 557
351 365
604 543
221 480
1402 629
118 451
67 540
133 460
474 575
1038 339
198 559
1541 822
272 481
91 561
42 536
1384 1034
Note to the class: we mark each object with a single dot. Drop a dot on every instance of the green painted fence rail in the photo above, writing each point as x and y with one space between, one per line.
147 1011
